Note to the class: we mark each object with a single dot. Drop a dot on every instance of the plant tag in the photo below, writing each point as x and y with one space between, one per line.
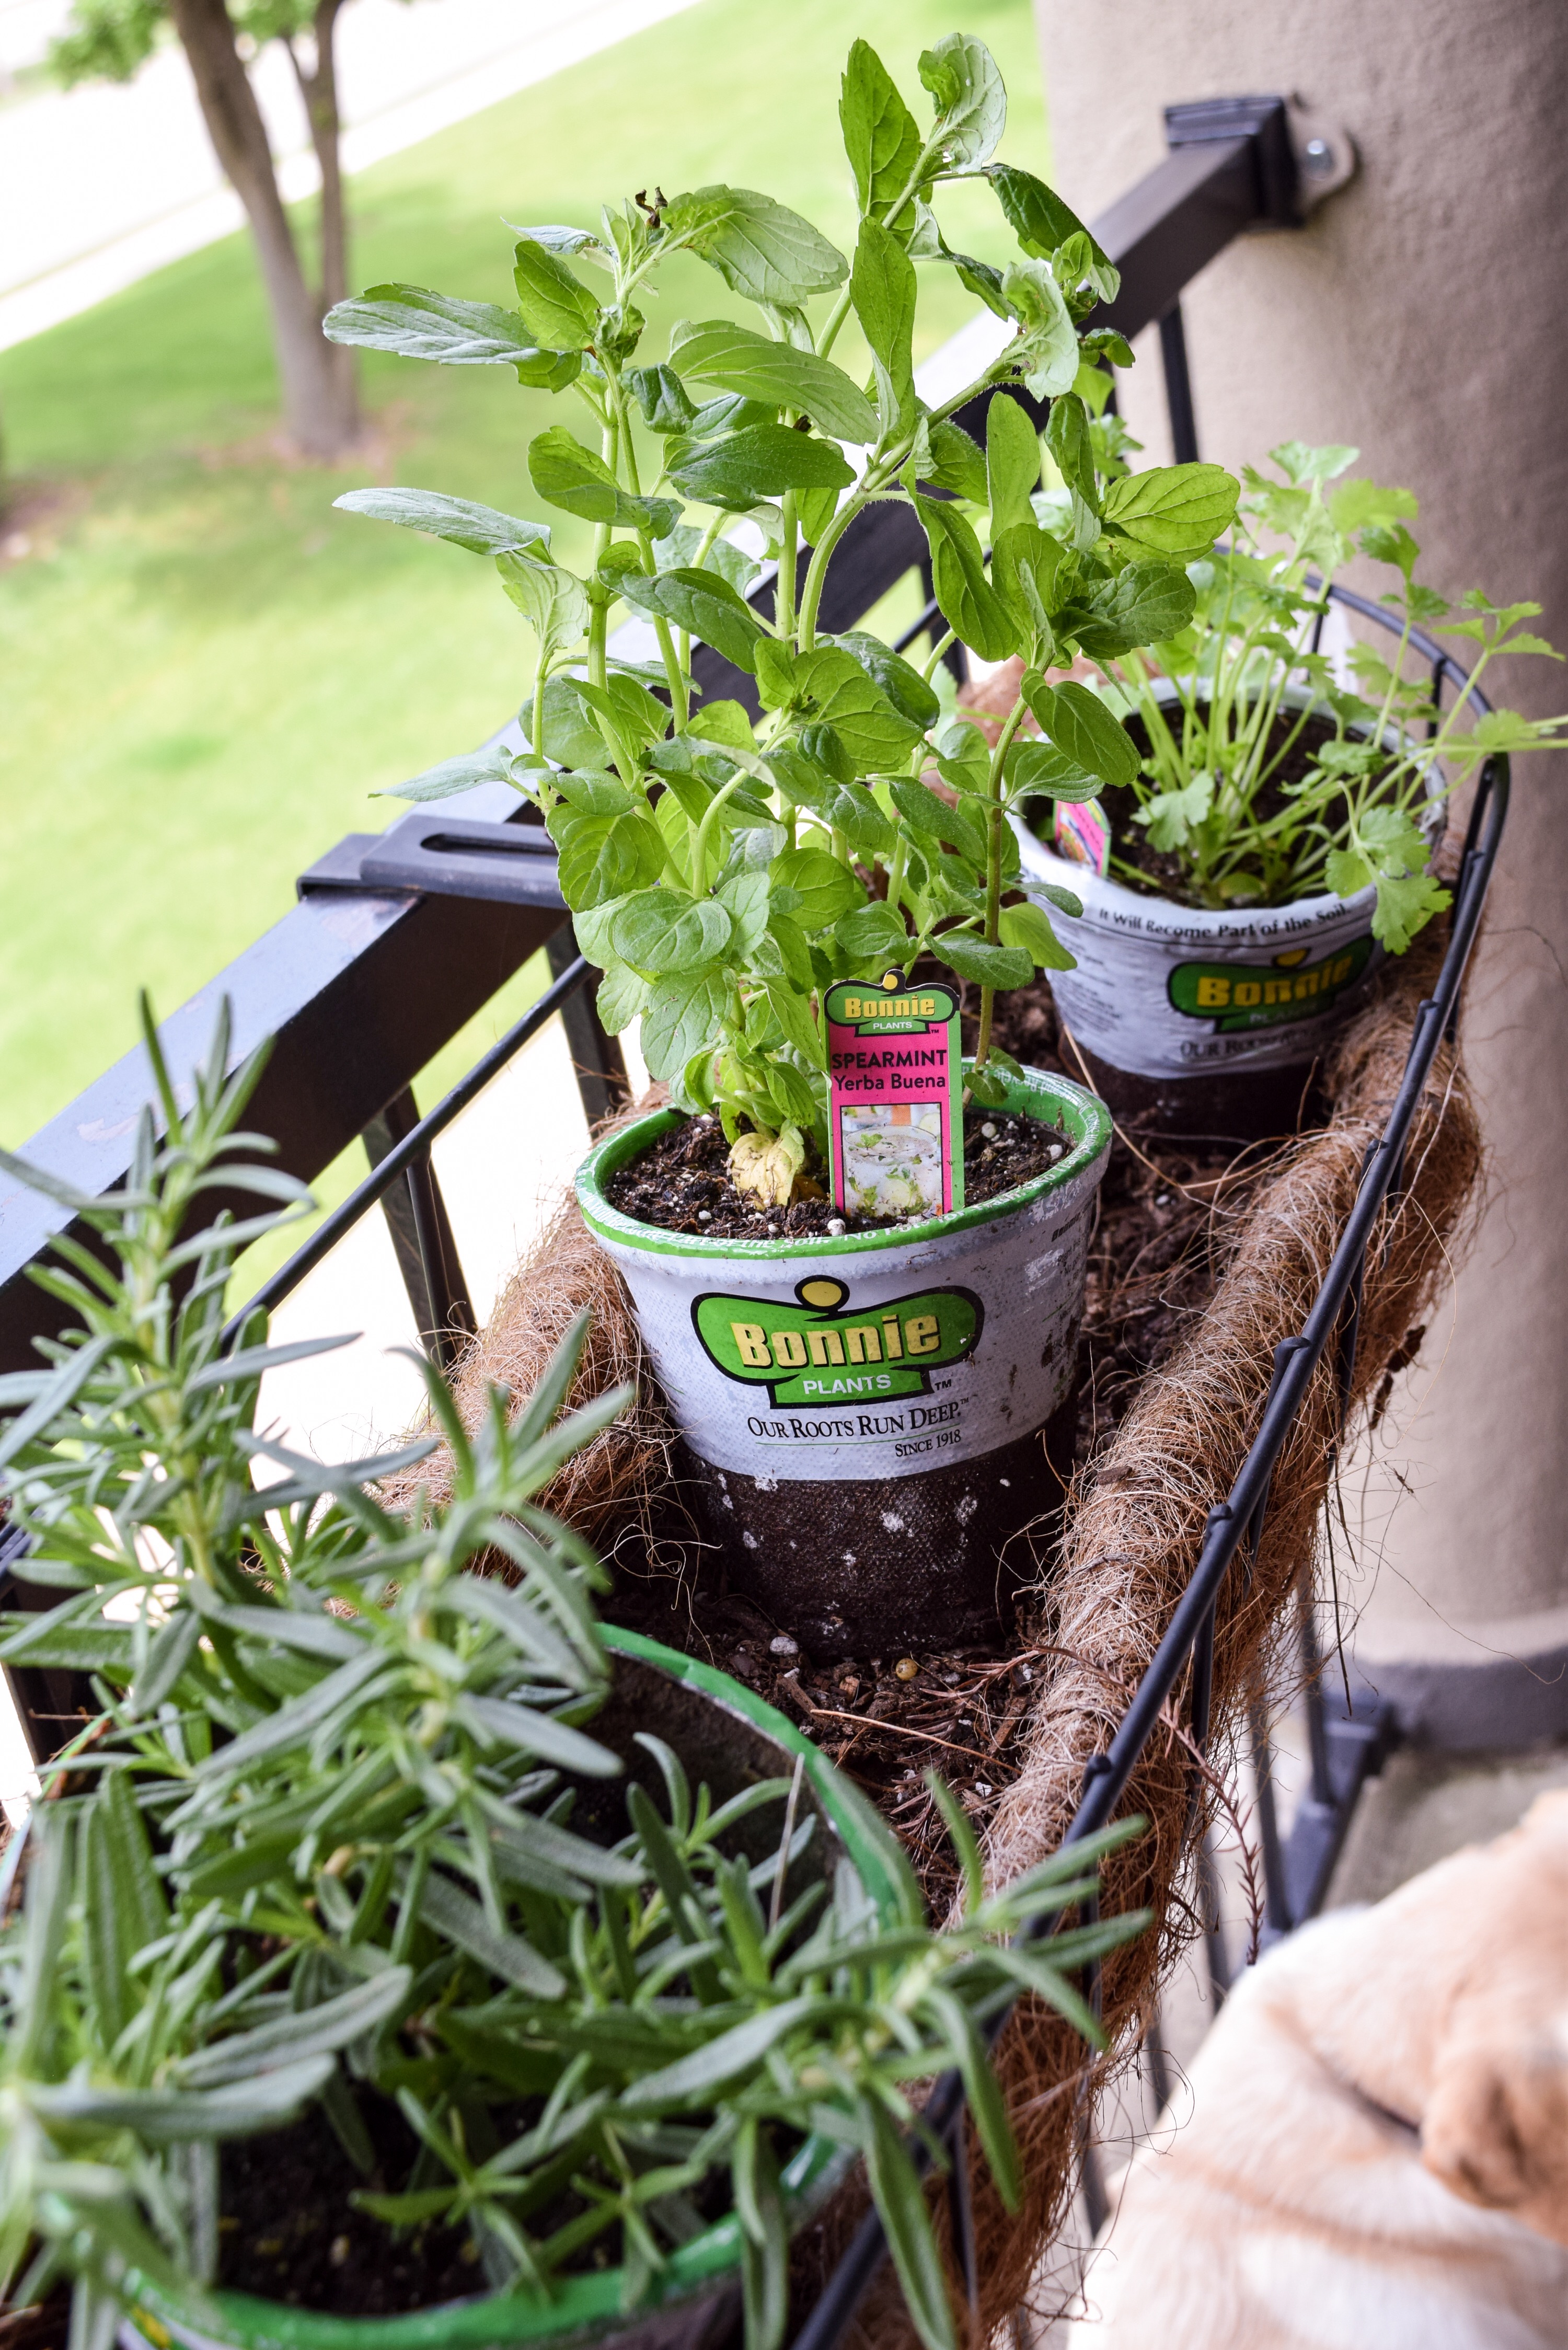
895 1121
1083 835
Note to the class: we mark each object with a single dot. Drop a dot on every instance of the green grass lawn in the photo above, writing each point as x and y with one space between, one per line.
206 671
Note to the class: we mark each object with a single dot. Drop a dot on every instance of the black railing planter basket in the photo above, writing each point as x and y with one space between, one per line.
1190 1540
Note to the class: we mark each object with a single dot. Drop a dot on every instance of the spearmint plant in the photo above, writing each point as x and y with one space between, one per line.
724 872
1355 818
319 1852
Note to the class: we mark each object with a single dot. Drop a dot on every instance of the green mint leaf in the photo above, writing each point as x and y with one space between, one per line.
577 480
816 773
884 290
977 959
1046 353
602 858
872 935
928 814
881 137
1178 510
706 605
726 722
1043 224
666 405
1032 770
594 792
759 247
556 306
1012 462
957 462
660 931
902 683
1147 604
685 1015
1078 723
482 529
825 889
553 600
419 324
1068 438
967 599
829 687
720 352
557 239
569 736
621 997
460 774
761 461
1025 562
970 98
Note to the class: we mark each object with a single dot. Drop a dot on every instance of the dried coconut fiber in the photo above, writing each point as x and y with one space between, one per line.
1134 1531
1134 1526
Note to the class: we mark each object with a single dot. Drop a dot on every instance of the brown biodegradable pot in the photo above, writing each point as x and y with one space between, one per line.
866 1413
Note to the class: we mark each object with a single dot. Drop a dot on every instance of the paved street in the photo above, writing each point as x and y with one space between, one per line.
101 184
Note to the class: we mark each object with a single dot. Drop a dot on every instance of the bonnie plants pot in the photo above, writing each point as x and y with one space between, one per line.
866 1413
1208 1020
728 1738
412 1879
1273 811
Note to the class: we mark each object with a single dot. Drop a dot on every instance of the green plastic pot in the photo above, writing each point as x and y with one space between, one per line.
697 2291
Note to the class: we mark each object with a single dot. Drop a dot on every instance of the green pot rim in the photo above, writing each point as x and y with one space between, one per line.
1038 1093
585 2308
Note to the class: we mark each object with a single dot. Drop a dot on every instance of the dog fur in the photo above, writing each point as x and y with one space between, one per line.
1377 2157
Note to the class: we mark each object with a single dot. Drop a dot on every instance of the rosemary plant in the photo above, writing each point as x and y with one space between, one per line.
1246 693
317 1852
724 874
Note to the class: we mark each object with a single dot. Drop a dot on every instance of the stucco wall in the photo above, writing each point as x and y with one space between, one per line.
1423 316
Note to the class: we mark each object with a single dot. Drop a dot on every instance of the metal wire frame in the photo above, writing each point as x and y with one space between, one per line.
1233 1524
409 1157
1239 1519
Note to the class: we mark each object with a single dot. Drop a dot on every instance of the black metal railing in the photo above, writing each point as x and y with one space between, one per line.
400 938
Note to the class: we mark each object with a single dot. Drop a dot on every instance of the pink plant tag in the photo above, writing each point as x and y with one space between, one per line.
1083 835
894 1113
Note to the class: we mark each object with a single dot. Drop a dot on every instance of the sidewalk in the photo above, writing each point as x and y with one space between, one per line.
101 184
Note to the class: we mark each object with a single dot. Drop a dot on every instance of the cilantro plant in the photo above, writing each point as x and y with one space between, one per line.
1216 744
724 873
319 1852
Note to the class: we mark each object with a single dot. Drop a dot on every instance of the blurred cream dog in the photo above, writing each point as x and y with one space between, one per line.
1379 2153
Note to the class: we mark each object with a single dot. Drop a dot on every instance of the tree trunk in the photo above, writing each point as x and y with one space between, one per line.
319 91
317 417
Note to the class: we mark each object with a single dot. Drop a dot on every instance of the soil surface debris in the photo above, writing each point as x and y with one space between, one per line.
681 1184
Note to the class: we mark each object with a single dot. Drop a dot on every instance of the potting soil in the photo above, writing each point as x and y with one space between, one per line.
1161 873
682 1184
